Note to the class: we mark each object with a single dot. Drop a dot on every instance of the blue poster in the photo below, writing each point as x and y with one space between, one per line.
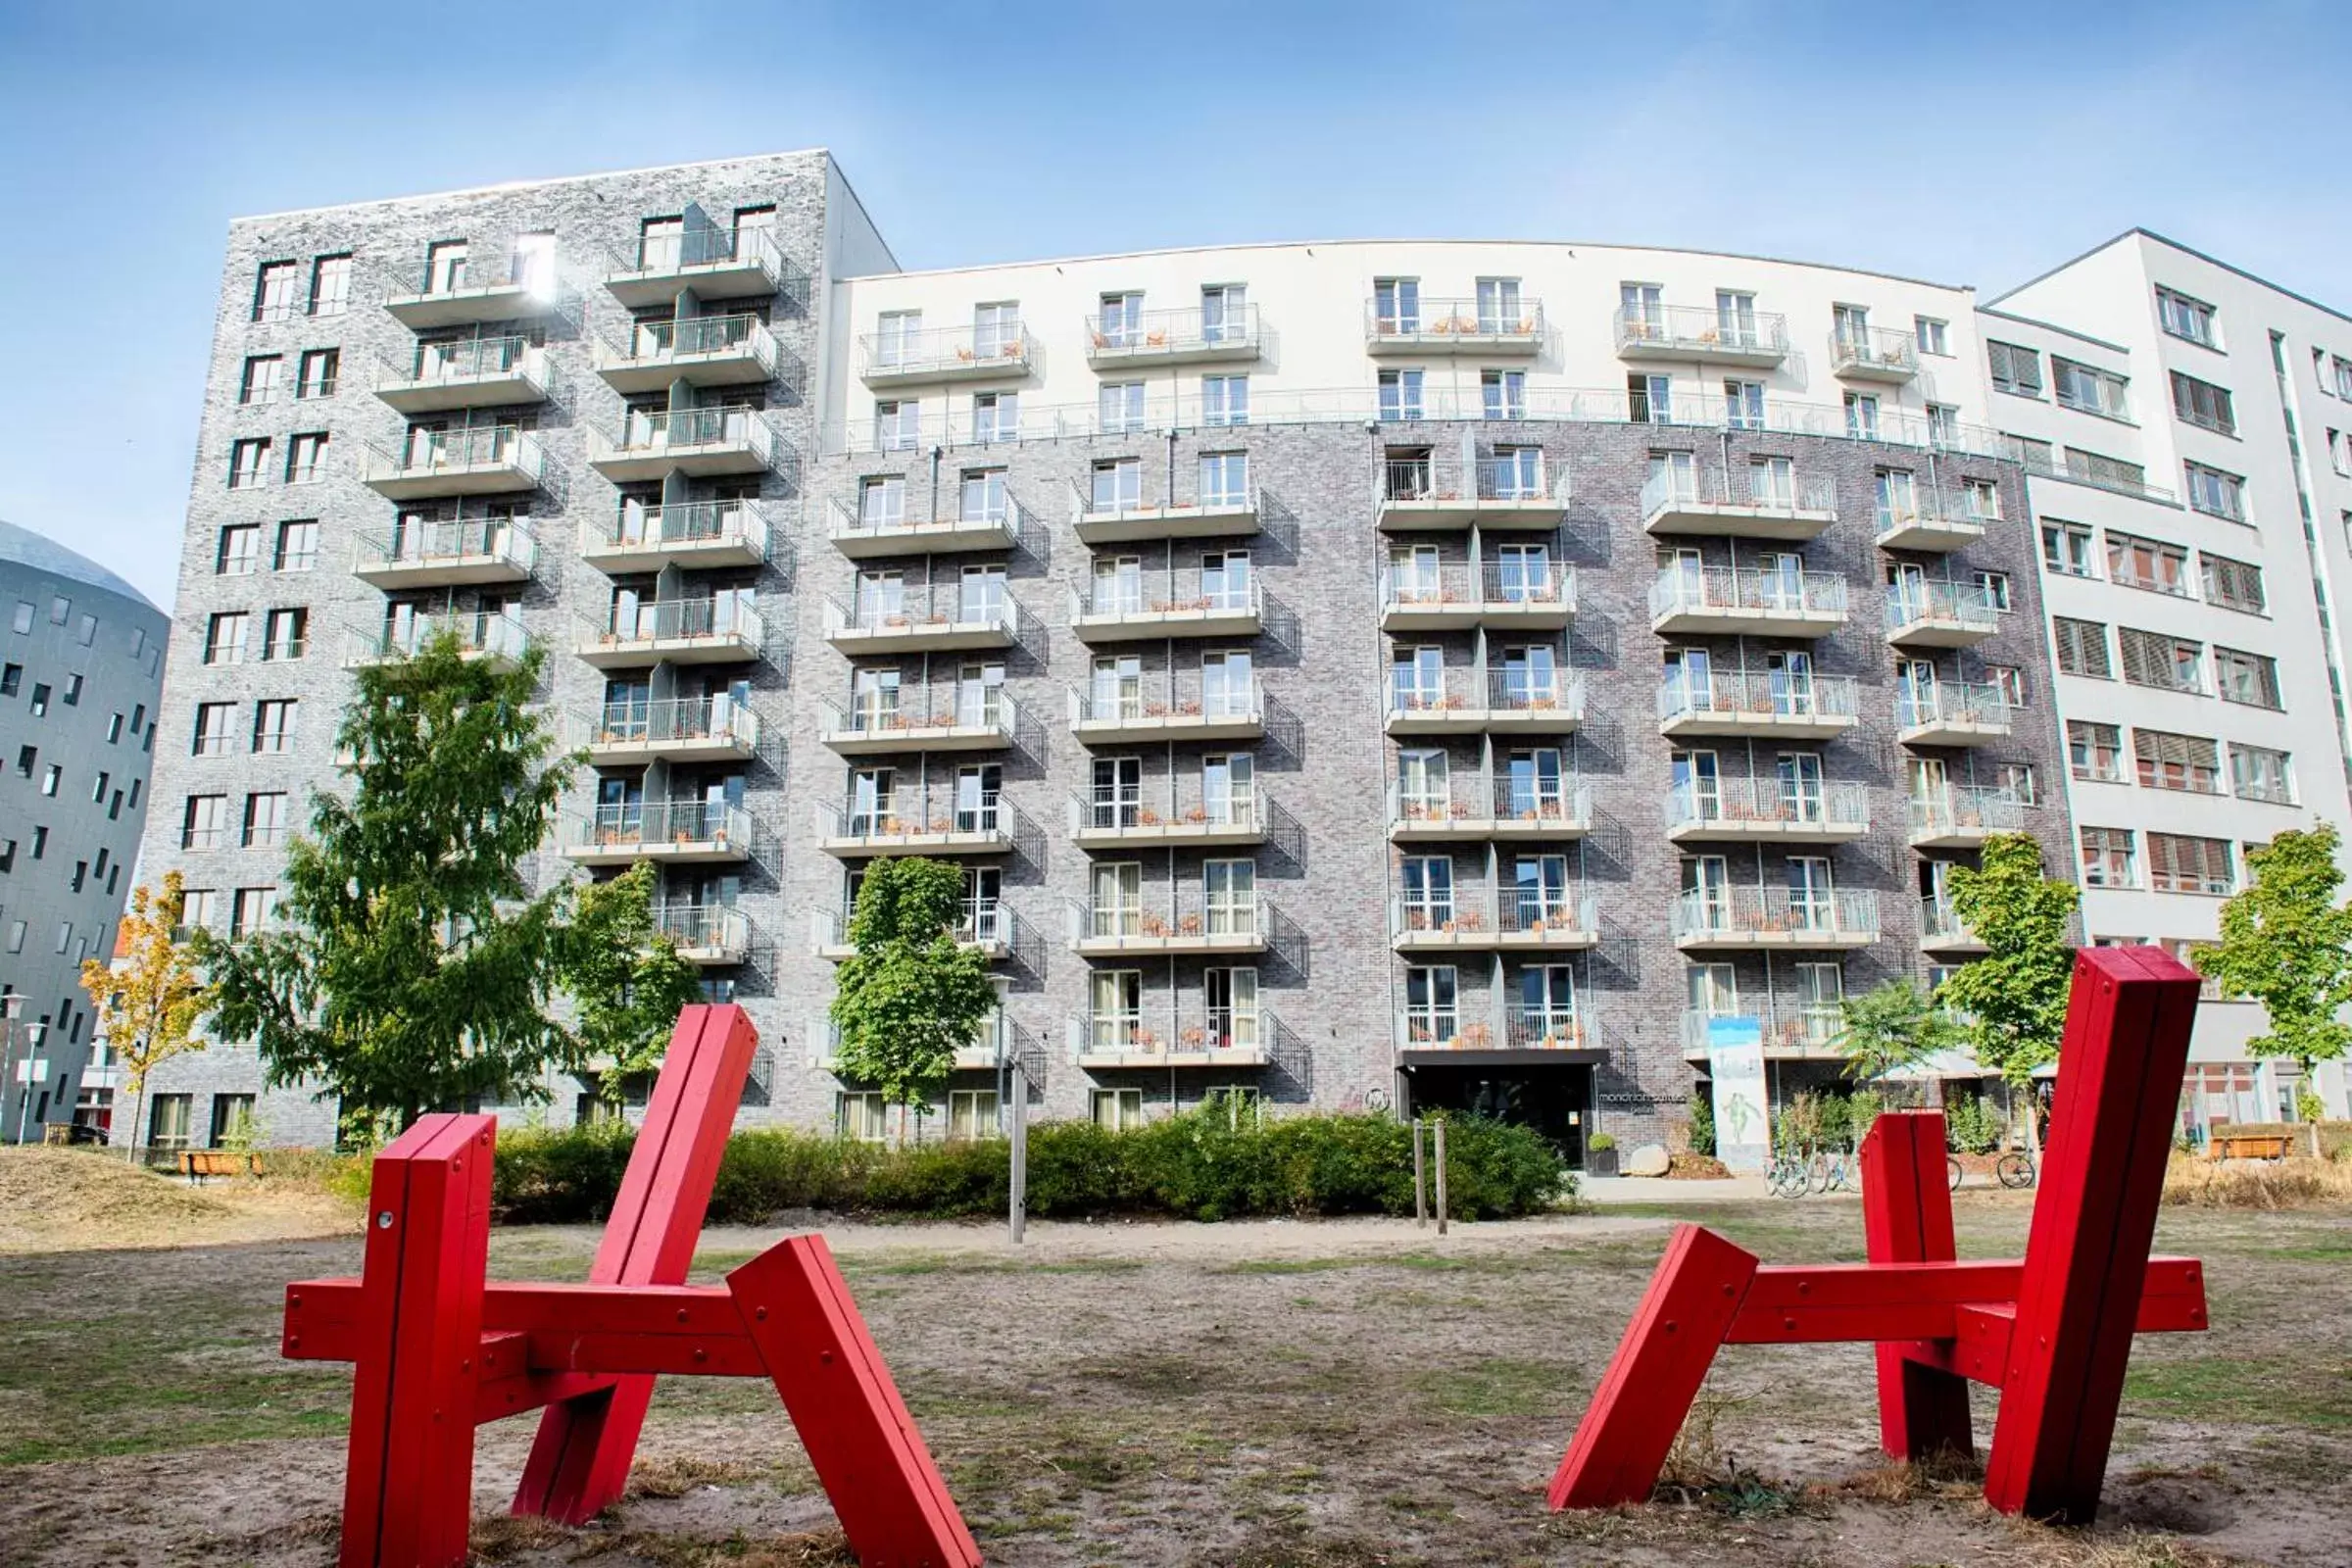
1736 1064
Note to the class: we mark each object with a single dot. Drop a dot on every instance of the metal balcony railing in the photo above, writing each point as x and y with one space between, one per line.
1532 585
1100 504
1784 1024
1767 803
1164 592
945 606
1004 349
1938 921
1762 489
877 522
459 360
1473 909
1729 691
1873 349
1487 691
1683 589
1151 335
658 824
741 332
676 721
1477 800
708 247
1144 1035
721 617
1952 701
683 525
479 633
1751 911
1438 476
437 542
1441 319
911 711
470 447
430 278
1170 801
646 432
705 927
1700 330
909 809
1187 698
1964 604
1964 810
1163 913
984 923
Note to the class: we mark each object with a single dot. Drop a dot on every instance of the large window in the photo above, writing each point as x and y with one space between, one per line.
2201 403
2109 857
2181 864
330 285
2082 648
2215 492
2150 564
273 292
2232 584
2257 773
2153 658
2089 389
2014 369
2185 317
2168 761
2248 678
2094 751
2066 549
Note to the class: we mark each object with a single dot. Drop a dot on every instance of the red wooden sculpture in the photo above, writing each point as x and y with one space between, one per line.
2051 1332
438 1349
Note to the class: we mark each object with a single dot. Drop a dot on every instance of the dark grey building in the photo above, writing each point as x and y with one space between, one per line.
80 679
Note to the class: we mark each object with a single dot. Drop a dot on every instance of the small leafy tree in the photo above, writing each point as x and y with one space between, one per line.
2015 996
148 1002
625 978
910 997
1894 1026
2286 942
411 966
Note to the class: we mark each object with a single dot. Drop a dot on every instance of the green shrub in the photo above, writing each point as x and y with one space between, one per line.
1972 1125
1703 1123
1195 1166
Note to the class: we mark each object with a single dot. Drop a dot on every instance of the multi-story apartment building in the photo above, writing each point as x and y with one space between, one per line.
1354 675
80 685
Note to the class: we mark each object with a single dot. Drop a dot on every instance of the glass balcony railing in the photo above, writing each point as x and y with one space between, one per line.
479 634
1469 691
689 528
1230 331
707 828
1161 918
1681 590
1960 703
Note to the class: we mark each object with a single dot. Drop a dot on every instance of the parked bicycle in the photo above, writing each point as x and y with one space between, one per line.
2014 1168
1952 1168
1789 1175
1831 1171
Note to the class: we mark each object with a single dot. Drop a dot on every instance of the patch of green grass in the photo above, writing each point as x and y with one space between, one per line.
1496 1386
2265 1391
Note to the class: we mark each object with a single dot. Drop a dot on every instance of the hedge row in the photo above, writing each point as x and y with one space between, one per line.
1192 1167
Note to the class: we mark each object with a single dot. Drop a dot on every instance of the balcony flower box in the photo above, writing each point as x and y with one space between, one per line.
1190 925
1475 1037
1194 1038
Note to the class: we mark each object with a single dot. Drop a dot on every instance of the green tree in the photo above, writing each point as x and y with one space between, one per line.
626 980
910 997
411 966
2015 997
1894 1026
149 997
2286 942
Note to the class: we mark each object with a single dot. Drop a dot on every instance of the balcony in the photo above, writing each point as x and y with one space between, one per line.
1728 601
1938 615
680 832
987 928
1959 817
1190 923
1523 919
1104 518
693 535
1000 352
1942 932
1502 701
719 630
681 729
1873 353
971 719
1705 502
1172 337
480 634
1763 703
1951 714
863 534
484 460
1513 326
1214 1037
1155 605
1191 710
1430 1036
939 818
1696 333
1765 811
1431 491
943 620
698 443
1478 808
1455 596
472 292
1937 521
476 372
1789 1030
707 934
1180 814
702 350
717 263
445 555
1748 919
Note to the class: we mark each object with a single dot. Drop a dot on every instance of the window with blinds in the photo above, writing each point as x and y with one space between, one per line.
2082 648
2153 659
2148 563
2258 773
2232 584
2179 864
2112 473
2088 388
2094 751
2108 860
2248 678
2014 368
2201 403
2168 761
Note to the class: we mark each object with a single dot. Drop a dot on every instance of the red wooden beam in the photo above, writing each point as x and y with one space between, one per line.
579 1461
2102 1176
1908 1218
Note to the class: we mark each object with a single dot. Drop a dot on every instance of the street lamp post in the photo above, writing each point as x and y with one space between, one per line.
11 1007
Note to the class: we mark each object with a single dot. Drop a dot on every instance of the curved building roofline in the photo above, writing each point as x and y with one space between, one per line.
21 546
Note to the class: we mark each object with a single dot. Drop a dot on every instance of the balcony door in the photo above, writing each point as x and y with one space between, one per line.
874 700
1226 689
981 597
1122 321
1643 308
1424 791
1118 1008
1853 326
1229 897
897 336
1535 784
1546 1004
980 696
1689 679
1530 676
1820 988
1696 779
1675 476
1916 690
1117 796
1419 674
1396 305
1432 1015
1800 786
1225 580
1928 779
1812 901
1229 788
1772 483
1118 898
1414 574
996 330
1118 688
1540 888
873 802
1791 674
1707 890
1498 305
983 903
1734 318
628 706
1712 990
1224 312
1230 996
881 598
1426 888
977 792
1119 585
1523 575
1780 575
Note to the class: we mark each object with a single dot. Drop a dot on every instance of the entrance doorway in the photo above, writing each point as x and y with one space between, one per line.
1556 1098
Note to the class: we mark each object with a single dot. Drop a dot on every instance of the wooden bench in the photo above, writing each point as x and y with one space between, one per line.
198 1163
2248 1146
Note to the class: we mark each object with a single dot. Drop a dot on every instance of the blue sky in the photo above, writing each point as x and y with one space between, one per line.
1977 145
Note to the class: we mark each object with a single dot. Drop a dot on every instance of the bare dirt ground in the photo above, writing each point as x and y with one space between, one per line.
1247 1395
